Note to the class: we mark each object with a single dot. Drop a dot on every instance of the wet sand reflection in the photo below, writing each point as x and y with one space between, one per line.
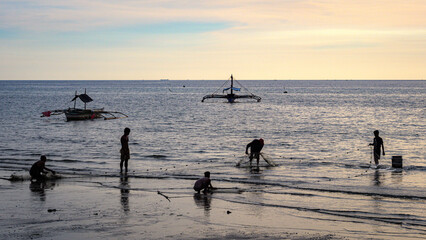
38 188
124 192
203 201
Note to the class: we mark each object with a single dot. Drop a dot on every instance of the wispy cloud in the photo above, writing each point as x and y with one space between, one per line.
82 15
91 15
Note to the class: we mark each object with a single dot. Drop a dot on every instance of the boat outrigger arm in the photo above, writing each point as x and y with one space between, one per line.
231 96
73 114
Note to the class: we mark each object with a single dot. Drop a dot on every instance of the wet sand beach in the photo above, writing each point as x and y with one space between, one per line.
84 207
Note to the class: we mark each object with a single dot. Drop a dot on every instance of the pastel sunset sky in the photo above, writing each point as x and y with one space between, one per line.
187 39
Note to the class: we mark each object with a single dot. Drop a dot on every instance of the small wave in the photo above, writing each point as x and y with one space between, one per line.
322 189
32 154
16 160
283 193
415 168
400 219
8 149
389 167
15 167
312 164
79 161
68 161
156 156
25 177
290 185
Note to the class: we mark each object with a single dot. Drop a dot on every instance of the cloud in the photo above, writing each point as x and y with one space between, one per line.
133 39
62 16
86 15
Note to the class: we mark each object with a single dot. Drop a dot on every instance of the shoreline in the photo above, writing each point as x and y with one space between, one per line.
110 207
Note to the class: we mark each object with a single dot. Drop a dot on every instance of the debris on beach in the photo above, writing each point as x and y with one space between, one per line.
158 192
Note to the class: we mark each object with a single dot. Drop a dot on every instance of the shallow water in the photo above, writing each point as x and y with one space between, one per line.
317 133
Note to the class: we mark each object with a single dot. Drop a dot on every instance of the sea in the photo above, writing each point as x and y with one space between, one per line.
317 132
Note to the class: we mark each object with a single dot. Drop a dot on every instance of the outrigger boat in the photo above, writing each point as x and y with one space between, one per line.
230 96
77 114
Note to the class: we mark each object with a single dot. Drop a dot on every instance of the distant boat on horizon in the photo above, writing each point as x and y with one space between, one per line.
230 96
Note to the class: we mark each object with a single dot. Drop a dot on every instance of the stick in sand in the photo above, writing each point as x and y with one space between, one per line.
163 195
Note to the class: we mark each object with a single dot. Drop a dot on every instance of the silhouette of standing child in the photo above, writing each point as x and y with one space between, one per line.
378 146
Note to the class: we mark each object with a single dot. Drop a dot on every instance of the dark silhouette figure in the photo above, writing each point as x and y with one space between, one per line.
203 183
37 170
255 147
125 152
378 146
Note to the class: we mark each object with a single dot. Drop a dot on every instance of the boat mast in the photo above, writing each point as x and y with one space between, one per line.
75 100
232 84
83 101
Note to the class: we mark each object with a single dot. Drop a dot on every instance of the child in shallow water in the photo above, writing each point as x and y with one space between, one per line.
378 145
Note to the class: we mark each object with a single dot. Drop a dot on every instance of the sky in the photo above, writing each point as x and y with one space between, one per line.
187 39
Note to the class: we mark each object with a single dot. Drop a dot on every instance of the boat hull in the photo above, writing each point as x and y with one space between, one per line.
81 114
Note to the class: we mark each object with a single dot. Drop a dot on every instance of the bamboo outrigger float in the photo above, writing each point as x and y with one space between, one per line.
231 96
77 114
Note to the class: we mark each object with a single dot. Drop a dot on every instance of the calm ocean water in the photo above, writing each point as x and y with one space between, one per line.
318 134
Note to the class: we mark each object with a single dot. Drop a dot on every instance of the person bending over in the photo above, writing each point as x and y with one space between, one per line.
37 170
255 147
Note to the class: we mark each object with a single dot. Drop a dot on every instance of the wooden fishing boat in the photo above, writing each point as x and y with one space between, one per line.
78 114
230 95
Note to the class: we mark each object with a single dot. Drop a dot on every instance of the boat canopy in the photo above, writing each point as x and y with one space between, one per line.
83 97
233 88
